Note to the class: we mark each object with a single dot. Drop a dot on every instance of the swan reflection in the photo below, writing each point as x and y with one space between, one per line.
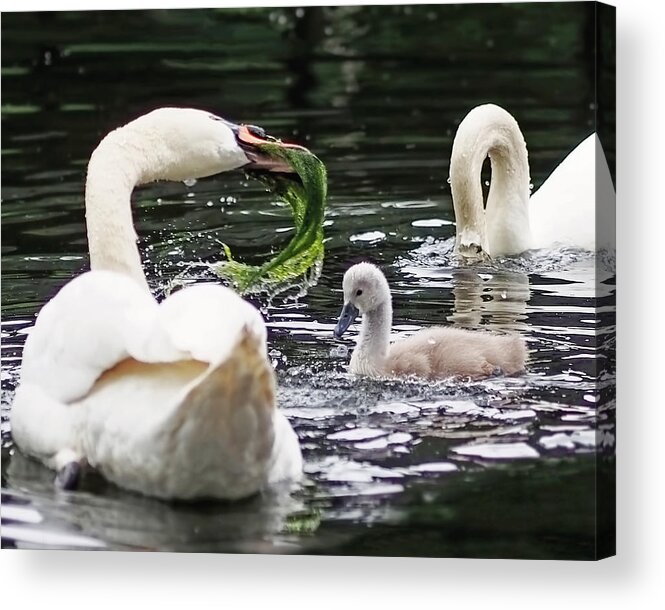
124 520
497 299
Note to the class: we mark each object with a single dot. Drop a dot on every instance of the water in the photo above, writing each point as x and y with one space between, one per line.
501 468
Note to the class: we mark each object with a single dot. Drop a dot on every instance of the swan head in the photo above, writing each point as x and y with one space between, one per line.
365 290
183 143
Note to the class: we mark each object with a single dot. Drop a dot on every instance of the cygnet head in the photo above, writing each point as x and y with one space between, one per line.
365 289
184 143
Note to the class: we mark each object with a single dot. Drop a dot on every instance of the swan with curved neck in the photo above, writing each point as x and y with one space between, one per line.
174 400
432 353
560 212
166 144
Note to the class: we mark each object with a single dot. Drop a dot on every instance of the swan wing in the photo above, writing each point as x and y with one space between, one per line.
87 328
82 332
184 429
205 321
101 318
563 210
605 202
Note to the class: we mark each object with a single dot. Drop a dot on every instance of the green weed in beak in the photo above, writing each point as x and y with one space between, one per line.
307 199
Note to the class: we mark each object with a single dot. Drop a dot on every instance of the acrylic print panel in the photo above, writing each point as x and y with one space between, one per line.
132 429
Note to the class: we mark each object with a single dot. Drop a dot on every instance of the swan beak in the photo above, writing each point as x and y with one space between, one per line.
251 138
346 318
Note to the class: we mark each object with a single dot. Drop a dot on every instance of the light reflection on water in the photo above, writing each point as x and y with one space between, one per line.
416 458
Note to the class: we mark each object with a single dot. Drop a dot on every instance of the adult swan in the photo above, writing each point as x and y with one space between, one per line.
561 212
174 400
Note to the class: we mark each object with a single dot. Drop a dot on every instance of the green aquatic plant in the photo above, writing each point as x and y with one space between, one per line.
306 195
303 524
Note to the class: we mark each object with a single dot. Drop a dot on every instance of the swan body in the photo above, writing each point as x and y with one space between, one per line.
562 212
432 353
174 400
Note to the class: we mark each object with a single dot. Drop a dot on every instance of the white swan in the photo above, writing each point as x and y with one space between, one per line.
432 353
561 212
174 400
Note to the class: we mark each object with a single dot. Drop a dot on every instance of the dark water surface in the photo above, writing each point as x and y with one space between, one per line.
501 468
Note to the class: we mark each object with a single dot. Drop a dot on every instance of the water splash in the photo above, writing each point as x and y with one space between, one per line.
440 253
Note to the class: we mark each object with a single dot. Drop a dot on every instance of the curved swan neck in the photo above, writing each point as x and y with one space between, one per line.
145 150
374 339
113 172
503 228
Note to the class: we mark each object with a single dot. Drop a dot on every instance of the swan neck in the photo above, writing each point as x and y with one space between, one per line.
117 165
374 339
502 227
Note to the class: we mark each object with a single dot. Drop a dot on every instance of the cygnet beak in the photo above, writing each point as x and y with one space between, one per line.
346 318
250 137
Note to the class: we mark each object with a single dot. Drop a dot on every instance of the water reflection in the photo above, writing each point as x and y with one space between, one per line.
102 512
499 297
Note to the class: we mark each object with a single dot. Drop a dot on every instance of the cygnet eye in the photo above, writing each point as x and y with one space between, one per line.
359 292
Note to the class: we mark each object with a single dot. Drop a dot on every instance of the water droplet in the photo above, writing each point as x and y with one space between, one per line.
487 182
189 182
530 186
300 13
448 181
209 204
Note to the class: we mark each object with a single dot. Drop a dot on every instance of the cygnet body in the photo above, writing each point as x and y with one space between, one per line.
433 353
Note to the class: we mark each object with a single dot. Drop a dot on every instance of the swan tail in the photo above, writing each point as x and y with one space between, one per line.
224 425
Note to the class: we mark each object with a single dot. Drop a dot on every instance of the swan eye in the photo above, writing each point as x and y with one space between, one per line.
358 292
259 132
